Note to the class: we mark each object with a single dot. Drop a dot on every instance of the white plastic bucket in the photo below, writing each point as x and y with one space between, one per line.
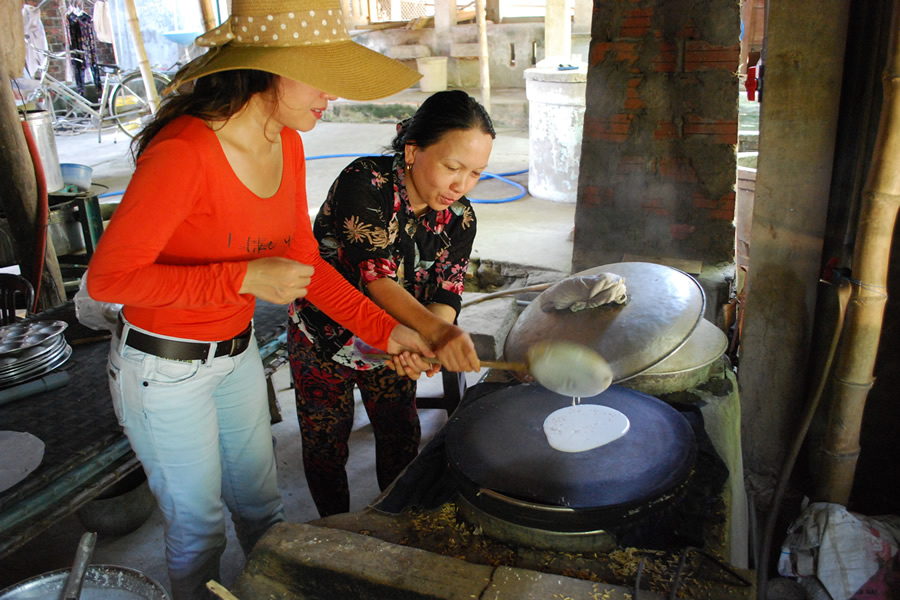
434 73
556 102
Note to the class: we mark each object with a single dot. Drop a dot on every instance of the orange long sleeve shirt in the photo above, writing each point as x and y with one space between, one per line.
176 250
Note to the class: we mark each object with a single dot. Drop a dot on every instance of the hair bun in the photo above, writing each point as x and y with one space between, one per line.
402 125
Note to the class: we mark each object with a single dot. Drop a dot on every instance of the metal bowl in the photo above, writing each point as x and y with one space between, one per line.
696 361
101 582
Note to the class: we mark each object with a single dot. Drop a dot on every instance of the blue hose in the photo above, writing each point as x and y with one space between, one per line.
521 188
502 177
337 156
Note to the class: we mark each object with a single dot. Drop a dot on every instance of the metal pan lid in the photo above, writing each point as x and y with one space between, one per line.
663 308
25 334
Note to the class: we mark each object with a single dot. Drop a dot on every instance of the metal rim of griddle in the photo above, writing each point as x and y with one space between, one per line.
664 307
562 521
474 469
599 540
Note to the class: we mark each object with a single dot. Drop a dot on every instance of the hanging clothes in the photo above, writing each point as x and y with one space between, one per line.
83 48
35 40
103 22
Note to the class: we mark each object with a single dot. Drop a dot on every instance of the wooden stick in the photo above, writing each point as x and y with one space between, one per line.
90 340
490 364
531 288
219 590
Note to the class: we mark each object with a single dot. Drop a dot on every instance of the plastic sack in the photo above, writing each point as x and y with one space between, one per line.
94 314
834 552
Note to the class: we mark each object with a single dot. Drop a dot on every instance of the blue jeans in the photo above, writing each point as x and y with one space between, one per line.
202 432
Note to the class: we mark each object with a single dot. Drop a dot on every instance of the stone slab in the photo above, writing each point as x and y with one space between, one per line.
488 323
521 584
306 562
465 50
299 561
509 107
408 51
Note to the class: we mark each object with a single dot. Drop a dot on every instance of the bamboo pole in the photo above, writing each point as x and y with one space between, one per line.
209 15
137 39
483 55
856 363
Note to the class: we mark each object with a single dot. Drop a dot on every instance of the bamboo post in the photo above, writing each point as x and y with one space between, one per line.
209 15
853 372
143 63
483 55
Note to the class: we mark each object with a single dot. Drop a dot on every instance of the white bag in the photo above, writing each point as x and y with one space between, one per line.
93 314
834 552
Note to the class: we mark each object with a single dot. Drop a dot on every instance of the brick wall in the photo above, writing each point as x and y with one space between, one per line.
660 128
53 18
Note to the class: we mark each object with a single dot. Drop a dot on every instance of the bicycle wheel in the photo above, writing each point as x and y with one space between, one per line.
128 102
67 114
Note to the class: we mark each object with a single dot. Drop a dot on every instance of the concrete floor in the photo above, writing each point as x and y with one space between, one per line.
529 232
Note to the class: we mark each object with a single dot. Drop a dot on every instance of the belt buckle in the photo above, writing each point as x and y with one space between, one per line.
234 342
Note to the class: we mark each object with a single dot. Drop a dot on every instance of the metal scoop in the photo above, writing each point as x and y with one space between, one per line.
569 369
72 589
563 367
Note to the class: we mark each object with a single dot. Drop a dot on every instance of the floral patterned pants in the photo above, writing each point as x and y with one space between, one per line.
324 395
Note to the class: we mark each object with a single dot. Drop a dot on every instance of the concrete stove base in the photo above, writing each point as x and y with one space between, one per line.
308 562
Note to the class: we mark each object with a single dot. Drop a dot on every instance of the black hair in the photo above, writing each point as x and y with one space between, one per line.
214 97
451 110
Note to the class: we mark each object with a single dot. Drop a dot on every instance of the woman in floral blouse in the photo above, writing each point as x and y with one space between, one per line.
400 228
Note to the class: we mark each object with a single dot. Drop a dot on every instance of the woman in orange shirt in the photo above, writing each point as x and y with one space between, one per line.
214 217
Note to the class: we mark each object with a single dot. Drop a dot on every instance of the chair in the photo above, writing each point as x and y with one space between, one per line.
12 287
454 385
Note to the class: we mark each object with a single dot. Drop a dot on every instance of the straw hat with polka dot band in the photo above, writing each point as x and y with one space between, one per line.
304 40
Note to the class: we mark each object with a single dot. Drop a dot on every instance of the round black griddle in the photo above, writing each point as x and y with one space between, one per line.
503 465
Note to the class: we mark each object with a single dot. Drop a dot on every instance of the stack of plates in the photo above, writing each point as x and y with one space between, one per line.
29 349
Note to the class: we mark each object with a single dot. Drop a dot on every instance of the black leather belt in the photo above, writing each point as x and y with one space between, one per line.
175 350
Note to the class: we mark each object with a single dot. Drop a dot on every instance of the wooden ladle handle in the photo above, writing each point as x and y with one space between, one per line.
489 364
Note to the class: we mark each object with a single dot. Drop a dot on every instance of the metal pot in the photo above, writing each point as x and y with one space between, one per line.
696 361
101 582
121 509
64 229
42 131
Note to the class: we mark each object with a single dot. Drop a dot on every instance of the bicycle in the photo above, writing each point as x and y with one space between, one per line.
126 105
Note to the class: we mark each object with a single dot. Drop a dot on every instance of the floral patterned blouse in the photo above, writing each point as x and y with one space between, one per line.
367 229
